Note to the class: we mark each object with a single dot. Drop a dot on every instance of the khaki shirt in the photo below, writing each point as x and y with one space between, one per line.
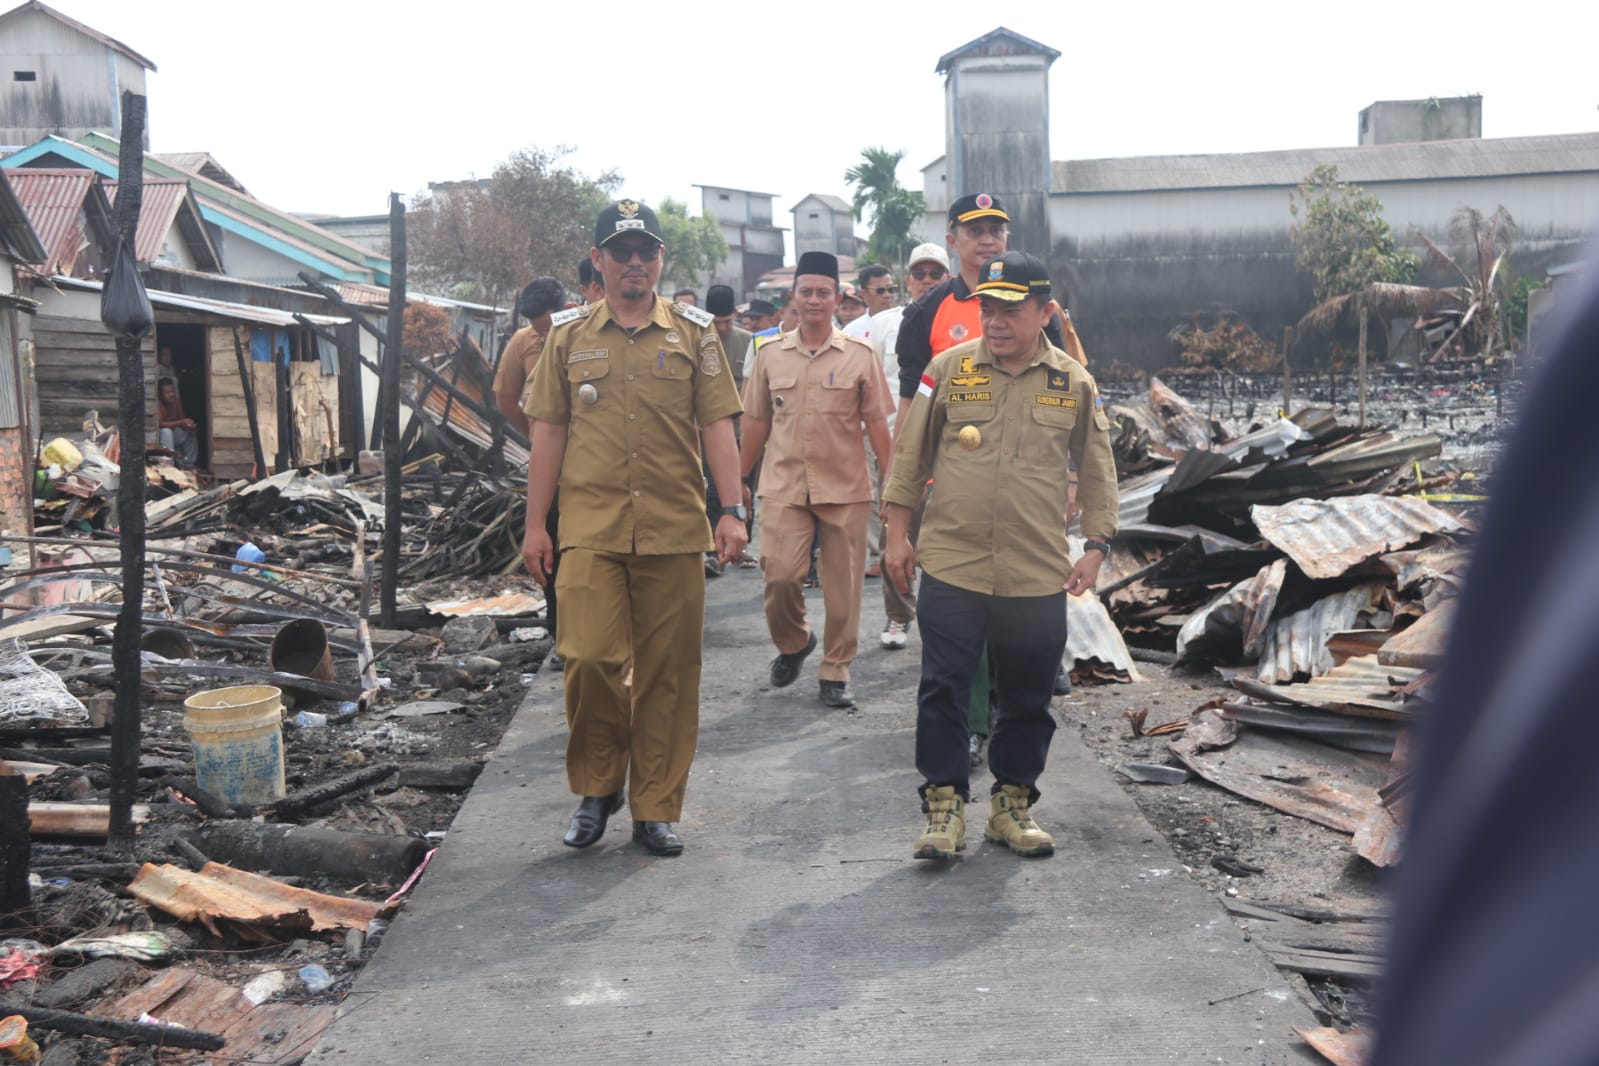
631 480
996 520
816 404
517 361
737 346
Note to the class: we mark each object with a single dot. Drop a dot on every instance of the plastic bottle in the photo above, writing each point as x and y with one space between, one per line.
315 978
310 719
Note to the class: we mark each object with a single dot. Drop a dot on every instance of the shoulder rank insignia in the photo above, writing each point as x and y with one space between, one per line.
697 315
571 314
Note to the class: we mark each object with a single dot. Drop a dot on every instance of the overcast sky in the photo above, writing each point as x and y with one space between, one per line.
327 106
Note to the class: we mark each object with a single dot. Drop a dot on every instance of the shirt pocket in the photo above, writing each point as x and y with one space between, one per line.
592 373
840 397
785 396
1049 436
672 365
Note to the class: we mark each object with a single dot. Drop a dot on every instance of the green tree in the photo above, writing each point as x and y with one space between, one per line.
694 246
1341 239
483 239
895 209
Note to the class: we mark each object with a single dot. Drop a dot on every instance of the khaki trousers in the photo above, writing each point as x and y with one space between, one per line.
786 532
643 736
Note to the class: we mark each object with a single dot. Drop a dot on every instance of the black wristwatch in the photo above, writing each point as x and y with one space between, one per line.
737 511
1096 546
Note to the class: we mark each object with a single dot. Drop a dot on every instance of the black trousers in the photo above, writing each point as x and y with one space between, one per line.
1025 636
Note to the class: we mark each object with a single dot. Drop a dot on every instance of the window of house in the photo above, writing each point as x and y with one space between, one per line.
815 215
723 196
24 75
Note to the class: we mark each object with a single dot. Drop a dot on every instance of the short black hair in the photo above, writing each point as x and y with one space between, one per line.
685 292
587 275
870 271
542 296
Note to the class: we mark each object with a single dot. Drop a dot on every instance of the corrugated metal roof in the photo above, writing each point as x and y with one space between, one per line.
1360 164
244 312
20 239
165 202
1241 613
1091 635
63 206
1327 537
1359 684
1297 644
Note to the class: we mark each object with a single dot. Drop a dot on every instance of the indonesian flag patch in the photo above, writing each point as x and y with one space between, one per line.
927 386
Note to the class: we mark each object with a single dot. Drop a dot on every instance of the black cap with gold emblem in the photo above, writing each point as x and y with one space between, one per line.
623 217
975 206
1013 277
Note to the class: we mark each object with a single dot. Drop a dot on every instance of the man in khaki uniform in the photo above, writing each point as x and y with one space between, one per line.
812 391
994 423
618 402
541 299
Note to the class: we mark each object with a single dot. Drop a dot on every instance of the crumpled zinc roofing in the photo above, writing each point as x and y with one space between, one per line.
1297 644
1328 537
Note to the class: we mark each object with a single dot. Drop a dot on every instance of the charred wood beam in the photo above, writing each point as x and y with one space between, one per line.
393 457
247 382
298 803
130 1032
127 718
16 849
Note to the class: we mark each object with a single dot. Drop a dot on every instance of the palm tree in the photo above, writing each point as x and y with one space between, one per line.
895 209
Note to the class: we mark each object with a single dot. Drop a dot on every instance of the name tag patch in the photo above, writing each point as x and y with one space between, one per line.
985 396
583 357
1055 401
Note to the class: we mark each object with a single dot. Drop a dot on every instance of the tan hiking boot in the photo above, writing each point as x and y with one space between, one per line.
1011 823
946 824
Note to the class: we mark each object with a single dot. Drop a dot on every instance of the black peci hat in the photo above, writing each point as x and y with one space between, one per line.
719 300
821 264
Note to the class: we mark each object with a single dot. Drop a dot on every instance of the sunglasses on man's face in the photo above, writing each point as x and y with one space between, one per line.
623 253
926 273
884 290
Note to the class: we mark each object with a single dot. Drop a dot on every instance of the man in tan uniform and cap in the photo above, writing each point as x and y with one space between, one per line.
994 423
618 402
811 393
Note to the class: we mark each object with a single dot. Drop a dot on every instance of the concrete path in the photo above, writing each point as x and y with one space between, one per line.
795 927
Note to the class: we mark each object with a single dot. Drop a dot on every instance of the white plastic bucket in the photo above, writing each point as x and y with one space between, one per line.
238 742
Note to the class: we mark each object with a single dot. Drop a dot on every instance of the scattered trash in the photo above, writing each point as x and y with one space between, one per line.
1153 774
219 893
315 978
264 986
15 1043
148 946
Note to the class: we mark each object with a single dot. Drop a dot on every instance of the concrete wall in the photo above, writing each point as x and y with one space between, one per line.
1435 119
997 130
78 81
1134 266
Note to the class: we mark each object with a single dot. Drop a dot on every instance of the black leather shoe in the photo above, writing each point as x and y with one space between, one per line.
658 838
785 668
837 694
588 821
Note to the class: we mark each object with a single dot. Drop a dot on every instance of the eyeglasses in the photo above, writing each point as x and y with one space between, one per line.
624 253
884 290
928 273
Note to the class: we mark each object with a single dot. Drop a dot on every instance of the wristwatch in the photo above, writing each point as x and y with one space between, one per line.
1096 546
737 511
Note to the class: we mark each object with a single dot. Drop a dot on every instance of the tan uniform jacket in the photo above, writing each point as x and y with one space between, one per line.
633 403
996 520
517 361
816 405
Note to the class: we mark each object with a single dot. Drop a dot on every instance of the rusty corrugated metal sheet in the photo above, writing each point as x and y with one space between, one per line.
1421 646
20 239
1358 685
1327 537
54 202
1297 644
162 201
1091 637
362 295
1243 611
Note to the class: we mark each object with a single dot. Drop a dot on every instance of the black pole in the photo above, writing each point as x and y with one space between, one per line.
16 848
393 458
126 724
